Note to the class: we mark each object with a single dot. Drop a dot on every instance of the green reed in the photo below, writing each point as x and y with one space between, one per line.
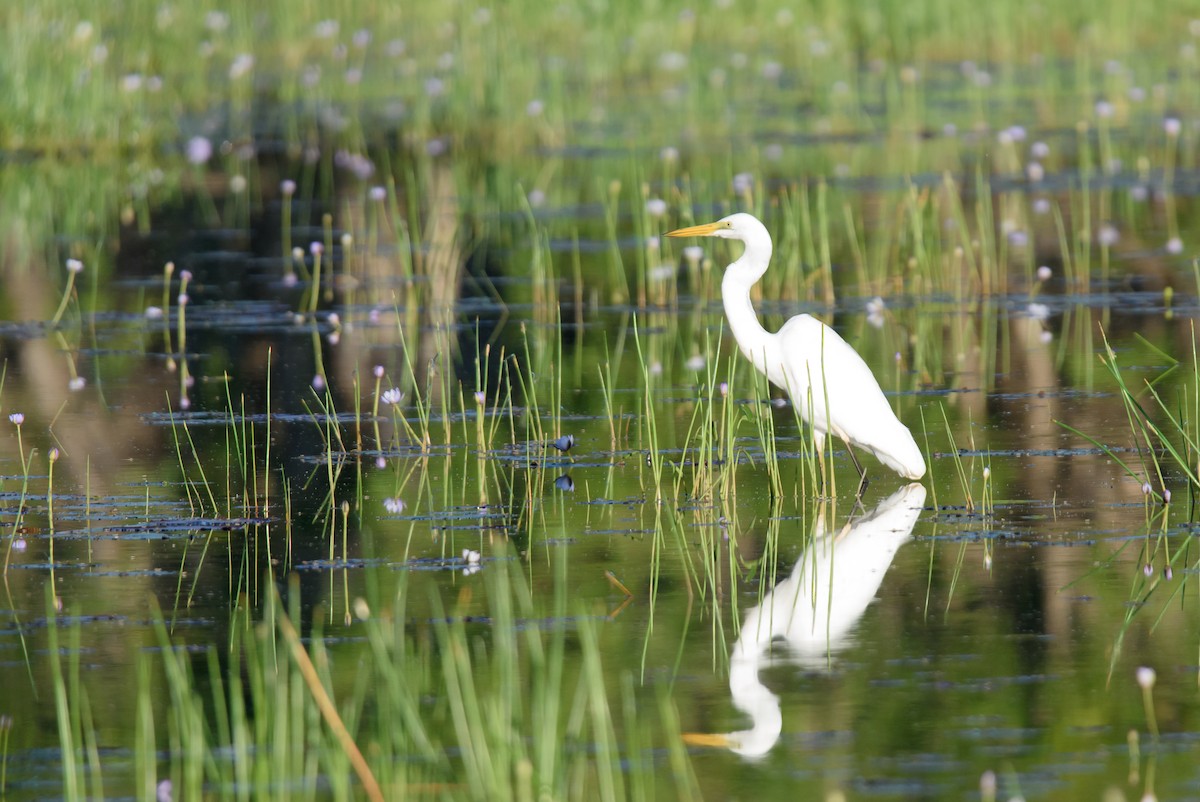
272 713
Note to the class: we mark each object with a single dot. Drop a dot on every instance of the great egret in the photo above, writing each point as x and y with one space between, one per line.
813 612
827 380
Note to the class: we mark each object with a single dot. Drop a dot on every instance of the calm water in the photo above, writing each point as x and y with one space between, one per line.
813 648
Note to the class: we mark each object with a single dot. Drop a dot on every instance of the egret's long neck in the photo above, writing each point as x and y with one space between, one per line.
755 342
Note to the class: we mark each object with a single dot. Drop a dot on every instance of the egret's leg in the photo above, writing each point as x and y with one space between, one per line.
862 475
819 445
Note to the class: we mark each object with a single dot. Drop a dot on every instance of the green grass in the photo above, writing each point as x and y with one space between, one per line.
513 152
269 717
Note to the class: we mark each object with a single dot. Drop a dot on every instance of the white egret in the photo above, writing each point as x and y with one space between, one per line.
828 381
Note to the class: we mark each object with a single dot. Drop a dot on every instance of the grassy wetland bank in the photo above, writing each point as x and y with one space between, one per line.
362 437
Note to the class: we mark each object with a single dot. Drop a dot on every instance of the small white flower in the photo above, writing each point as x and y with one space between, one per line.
662 273
241 66
1037 311
74 265
1146 677
480 397
76 384
394 505
1041 206
656 207
1039 150
199 150
695 362
393 396
693 254
316 248
378 194
1108 235
723 388
237 184
288 187
1044 273
154 313
1172 127
1104 109
470 556
17 417
1174 245
318 382
875 312
672 61
534 108
216 21
379 371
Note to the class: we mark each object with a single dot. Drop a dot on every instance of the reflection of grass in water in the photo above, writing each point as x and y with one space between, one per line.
1175 438
441 706
1166 444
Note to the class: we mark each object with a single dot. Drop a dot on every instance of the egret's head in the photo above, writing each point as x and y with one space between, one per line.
735 226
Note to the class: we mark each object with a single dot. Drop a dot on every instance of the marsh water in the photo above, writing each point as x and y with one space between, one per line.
940 631
512 412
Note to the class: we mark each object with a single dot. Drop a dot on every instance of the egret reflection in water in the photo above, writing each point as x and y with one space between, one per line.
813 611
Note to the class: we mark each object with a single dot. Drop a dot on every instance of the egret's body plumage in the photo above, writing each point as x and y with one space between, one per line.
829 383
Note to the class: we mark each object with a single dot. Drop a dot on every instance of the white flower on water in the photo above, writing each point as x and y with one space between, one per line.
394 505
1037 311
875 311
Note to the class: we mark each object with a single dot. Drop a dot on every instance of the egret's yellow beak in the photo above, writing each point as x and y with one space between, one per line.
706 230
705 738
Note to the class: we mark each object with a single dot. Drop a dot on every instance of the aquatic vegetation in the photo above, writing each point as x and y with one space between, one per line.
428 363
271 710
